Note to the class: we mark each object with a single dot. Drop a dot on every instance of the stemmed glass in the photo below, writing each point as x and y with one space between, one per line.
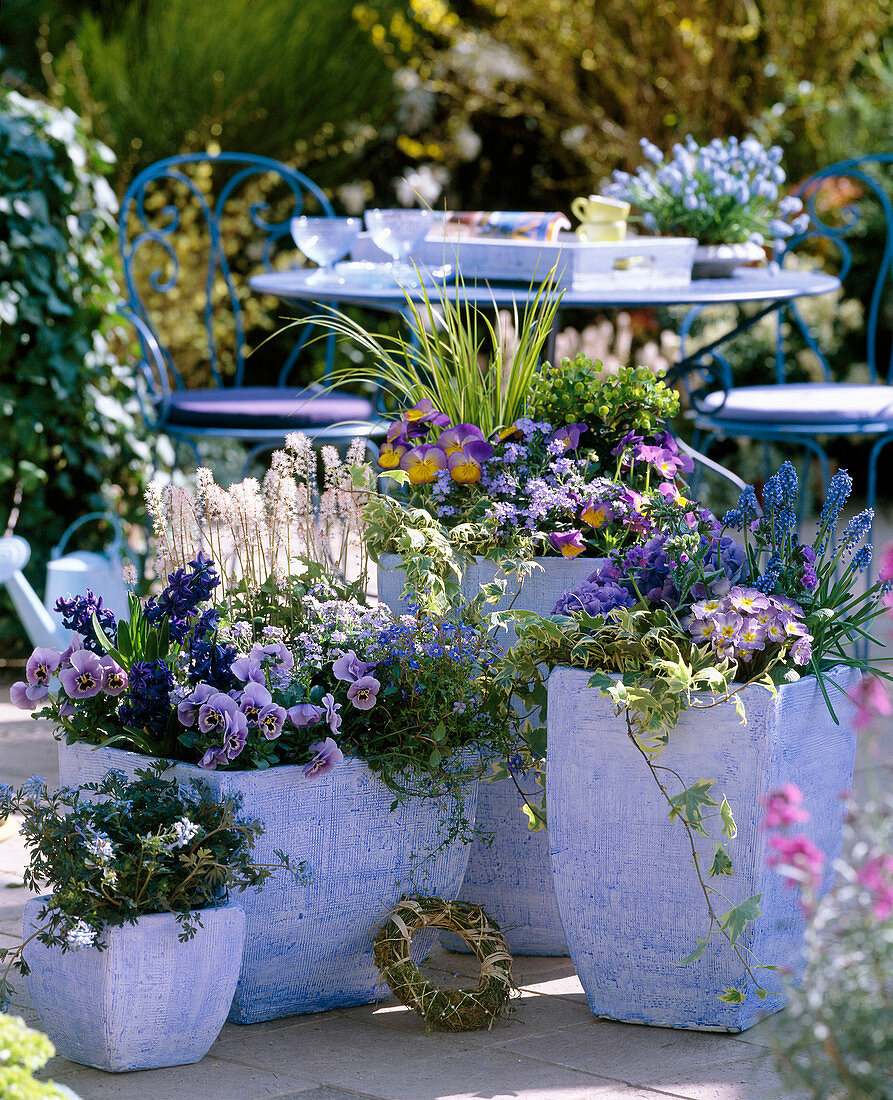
324 240
398 232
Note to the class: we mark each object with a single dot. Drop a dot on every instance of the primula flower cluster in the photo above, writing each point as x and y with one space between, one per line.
746 622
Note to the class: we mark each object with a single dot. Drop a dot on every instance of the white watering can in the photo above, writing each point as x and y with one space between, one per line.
67 576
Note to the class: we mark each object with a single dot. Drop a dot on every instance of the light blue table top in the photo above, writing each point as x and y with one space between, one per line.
745 285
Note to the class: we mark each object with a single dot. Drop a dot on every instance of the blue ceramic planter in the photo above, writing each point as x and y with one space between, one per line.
628 895
309 947
145 1002
512 878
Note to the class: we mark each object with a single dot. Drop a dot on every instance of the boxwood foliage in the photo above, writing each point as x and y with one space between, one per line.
71 428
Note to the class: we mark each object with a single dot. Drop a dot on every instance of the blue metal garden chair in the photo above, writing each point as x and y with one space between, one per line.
803 412
179 213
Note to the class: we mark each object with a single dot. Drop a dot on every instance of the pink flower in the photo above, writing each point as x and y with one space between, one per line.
797 859
876 875
783 807
871 701
885 569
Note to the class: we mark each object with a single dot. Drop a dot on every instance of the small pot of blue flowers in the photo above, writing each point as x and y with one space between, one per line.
729 195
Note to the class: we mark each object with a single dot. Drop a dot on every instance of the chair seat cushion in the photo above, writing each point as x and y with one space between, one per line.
825 403
273 407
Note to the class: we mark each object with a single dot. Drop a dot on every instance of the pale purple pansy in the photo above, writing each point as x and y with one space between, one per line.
83 678
349 667
252 701
188 708
332 712
114 678
304 715
270 721
364 692
327 756
569 436
41 665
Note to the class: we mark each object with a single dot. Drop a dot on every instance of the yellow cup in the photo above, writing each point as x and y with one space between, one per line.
602 231
597 208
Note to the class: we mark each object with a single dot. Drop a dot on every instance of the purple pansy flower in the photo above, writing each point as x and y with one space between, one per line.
568 543
188 708
41 665
248 670
305 715
332 708
114 678
219 713
83 679
327 756
457 439
252 701
363 692
569 436
270 721
27 696
212 758
349 667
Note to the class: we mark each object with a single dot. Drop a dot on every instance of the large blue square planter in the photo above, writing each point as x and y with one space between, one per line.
628 894
309 947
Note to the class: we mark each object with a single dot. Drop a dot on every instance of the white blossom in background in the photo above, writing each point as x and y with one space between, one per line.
468 143
423 185
354 196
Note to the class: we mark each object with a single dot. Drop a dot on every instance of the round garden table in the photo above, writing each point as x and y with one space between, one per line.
768 287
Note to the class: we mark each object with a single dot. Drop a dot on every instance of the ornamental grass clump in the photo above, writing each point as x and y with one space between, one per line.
690 618
146 846
725 192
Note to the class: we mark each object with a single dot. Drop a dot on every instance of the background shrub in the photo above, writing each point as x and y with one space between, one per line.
71 431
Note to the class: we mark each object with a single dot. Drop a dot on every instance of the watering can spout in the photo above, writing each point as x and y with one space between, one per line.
69 575
43 629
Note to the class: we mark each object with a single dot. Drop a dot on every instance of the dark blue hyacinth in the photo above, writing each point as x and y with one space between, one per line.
77 614
147 704
186 591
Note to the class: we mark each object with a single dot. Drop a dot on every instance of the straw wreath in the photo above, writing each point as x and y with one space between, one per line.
445 1009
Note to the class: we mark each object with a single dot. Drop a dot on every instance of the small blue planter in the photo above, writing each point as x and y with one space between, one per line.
628 895
145 1002
309 947
512 877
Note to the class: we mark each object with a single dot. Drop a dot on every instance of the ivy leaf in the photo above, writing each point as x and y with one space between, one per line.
729 828
735 921
696 954
722 864
732 996
687 804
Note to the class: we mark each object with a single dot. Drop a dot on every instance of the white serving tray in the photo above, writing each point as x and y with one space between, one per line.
581 265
